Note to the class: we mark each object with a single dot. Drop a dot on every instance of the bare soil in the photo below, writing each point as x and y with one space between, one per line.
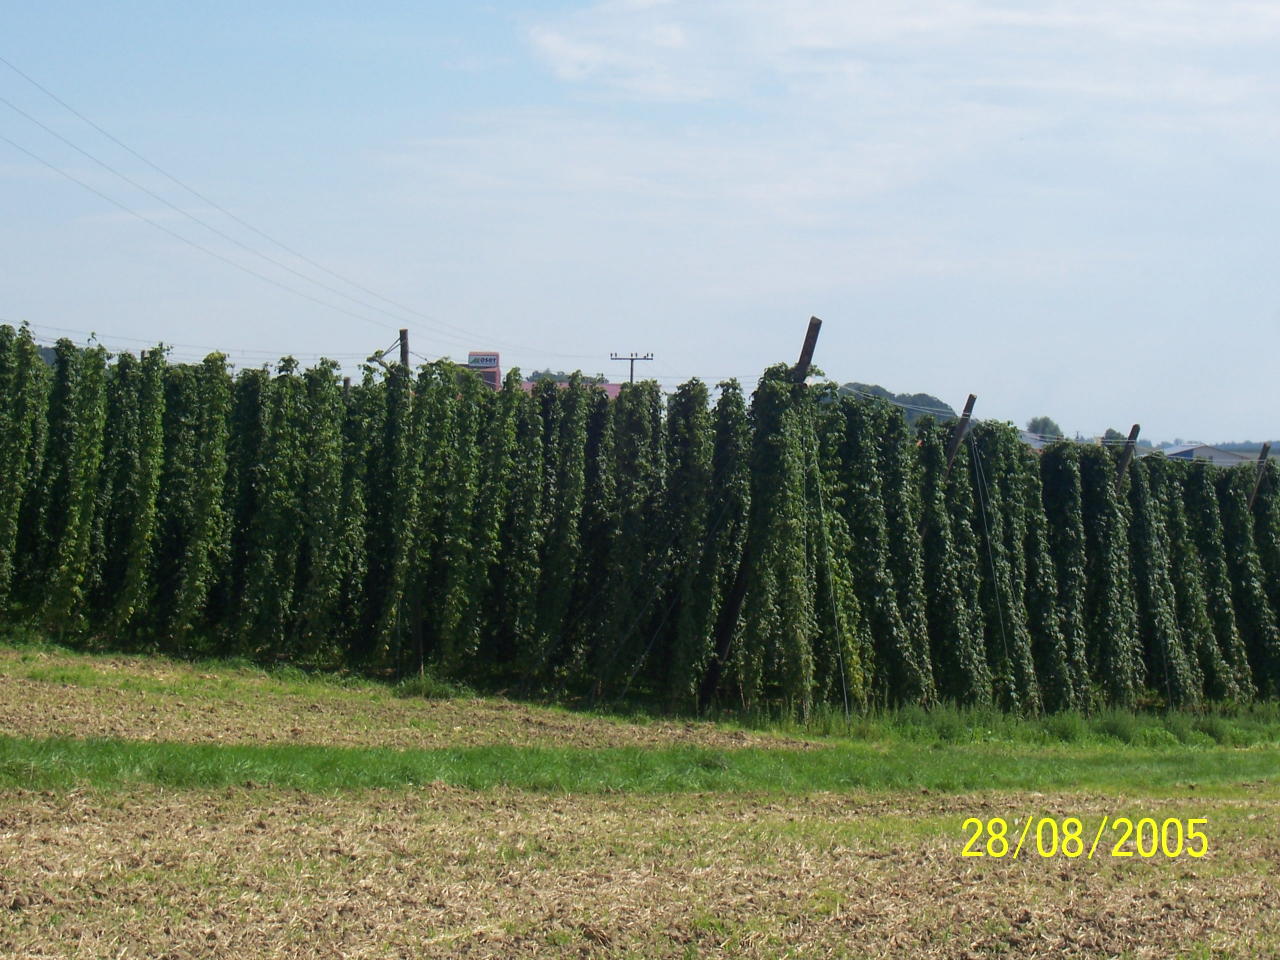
443 872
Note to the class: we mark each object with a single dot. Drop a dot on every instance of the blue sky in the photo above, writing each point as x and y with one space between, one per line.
1066 208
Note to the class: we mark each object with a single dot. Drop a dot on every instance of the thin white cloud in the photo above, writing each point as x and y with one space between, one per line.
571 59
1086 167
726 49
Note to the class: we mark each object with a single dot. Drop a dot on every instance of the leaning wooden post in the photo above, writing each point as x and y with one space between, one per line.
957 434
806 351
727 619
1127 456
1262 471
404 348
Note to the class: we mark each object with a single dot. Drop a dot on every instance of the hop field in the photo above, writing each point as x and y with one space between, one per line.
794 552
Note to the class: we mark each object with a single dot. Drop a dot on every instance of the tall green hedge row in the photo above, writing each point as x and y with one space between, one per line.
560 543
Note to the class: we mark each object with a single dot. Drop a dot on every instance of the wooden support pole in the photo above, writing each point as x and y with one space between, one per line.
1262 471
806 352
726 623
958 432
1127 456
346 387
731 610
404 349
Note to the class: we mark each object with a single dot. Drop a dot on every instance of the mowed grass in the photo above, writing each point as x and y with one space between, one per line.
47 691
70 719
104 764
1233 725
139 697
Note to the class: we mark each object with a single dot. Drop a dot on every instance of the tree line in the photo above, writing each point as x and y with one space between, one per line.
559 543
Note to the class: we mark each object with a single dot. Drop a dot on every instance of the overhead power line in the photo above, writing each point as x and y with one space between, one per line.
191 216
187 240
183 346
174 352
428 319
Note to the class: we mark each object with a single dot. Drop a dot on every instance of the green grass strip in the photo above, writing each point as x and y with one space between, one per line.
66 763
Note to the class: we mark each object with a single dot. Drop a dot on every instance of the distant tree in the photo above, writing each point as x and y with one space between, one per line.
912 405
1045 426
559 376
1114 435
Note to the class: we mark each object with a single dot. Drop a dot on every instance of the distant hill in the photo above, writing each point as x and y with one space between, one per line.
47 355
914 405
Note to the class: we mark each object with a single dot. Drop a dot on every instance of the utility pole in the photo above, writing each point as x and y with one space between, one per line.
403 342
346 388
958 432
727 621
632 358
1127 456
1262 470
